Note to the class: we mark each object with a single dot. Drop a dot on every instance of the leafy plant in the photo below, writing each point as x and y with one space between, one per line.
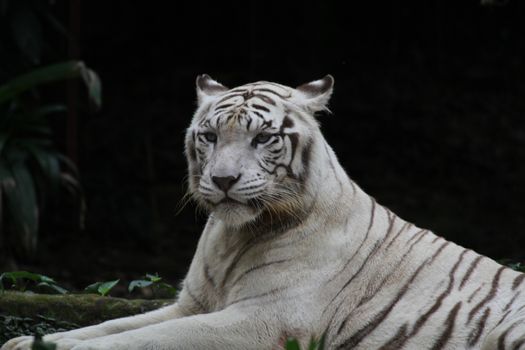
293 344
101 288
13 326
518 266
39 344
154 282
21 280
30 166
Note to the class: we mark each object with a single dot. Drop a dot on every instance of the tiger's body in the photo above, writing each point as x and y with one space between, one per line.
294 248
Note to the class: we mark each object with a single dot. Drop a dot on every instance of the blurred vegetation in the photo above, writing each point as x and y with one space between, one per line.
23 312
30 166
21 280
150 286
314 344
32 169
40 344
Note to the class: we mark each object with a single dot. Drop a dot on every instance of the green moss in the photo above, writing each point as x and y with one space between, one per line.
29 313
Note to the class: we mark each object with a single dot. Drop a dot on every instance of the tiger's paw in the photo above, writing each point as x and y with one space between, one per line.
26 343
21 343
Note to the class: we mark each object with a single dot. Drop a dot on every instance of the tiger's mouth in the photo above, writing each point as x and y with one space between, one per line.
232 204
225 202
230 201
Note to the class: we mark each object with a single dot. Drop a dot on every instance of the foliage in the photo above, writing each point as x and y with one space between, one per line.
293 344
101 288
517 266
154 282
21 280
13 326
30 167
39 344
52 73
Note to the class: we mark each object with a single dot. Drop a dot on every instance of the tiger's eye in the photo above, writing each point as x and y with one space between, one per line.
210 137
262 138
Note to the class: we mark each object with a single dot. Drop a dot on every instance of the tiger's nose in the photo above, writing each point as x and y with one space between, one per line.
225 182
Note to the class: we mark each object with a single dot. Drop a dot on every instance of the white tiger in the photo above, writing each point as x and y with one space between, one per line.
294 248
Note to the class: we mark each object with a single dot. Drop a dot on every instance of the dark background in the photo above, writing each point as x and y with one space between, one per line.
428 117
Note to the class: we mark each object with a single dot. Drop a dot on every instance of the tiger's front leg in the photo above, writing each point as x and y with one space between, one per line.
231 328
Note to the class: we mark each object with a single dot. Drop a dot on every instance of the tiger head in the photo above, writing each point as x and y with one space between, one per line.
249 148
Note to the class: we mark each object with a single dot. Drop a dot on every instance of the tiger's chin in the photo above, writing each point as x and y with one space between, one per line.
235 214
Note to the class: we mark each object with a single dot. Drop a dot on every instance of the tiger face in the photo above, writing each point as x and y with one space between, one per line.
248 148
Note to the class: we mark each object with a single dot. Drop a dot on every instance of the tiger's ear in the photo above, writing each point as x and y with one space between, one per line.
316 94
207 87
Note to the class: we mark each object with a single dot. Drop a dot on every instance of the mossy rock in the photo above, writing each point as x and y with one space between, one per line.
29 313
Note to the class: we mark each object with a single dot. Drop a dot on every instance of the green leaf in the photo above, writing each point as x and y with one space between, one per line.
105 287
51 73
172 290
93 85
73 186
6 177
102 288
153 278
322 342
520 267
292 344
53 287
4 137
15 275
517 266
70 165
317 344
93 288
39 344
30 121
138 284
21 202
50 109
46 279
43 281
48 162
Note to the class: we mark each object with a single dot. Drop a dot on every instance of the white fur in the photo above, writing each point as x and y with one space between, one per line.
346 267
